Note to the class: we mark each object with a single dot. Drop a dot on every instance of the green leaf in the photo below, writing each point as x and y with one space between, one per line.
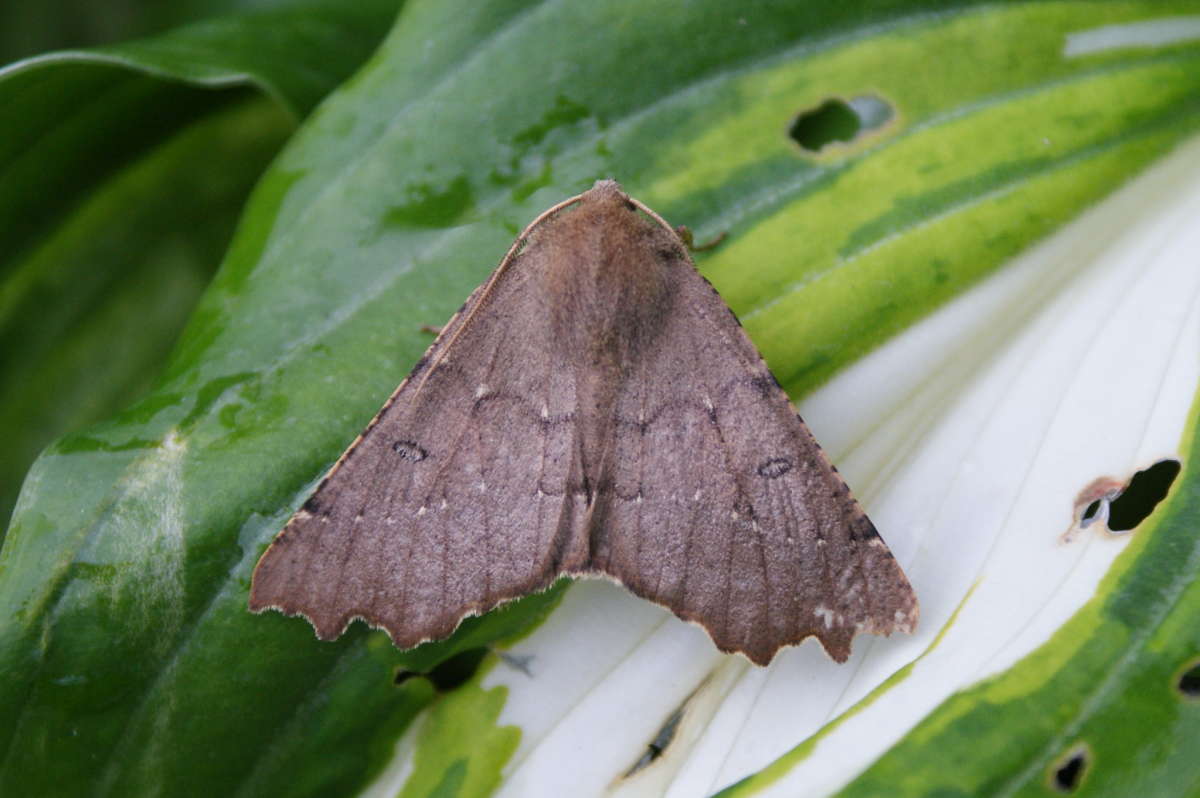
110 157
127 564
462 750
88 317
1107 686
1002 410
31 28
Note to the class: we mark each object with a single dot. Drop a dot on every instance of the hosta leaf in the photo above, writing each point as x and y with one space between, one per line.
30 28
1016 411
124 176
127 589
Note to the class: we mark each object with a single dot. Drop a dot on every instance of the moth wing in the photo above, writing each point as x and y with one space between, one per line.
726 510
443 507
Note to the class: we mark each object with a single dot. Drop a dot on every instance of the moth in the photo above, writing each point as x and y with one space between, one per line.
593 409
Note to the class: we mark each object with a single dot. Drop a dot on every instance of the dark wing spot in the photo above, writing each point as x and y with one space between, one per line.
558 418
765 383
408 450
744 508
861 528
775 467
625 496
312 505
762 385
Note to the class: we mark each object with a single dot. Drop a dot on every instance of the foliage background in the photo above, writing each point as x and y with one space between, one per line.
390 165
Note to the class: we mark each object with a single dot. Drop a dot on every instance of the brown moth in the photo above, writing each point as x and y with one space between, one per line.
594 409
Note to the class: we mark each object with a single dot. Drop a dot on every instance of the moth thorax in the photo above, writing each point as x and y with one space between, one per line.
615 310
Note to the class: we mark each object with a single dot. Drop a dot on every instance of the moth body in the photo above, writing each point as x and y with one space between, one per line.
593 409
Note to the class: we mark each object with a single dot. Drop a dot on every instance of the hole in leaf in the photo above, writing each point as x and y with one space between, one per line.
837 120
1189 681
1070 771
449 673
660 742
1145 491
